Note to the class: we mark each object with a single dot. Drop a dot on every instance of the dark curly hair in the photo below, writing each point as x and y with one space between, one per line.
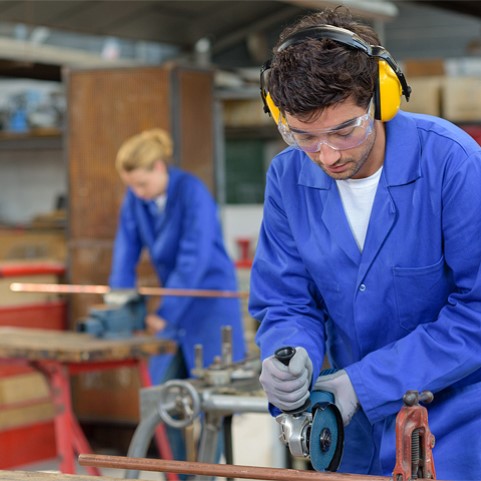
318 73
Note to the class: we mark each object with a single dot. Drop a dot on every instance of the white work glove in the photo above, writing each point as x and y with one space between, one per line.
120 297
287 387
345 397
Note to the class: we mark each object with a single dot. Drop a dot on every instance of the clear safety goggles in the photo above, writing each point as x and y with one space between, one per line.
344 136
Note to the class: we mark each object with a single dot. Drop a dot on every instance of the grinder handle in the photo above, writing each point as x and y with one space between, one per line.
285 354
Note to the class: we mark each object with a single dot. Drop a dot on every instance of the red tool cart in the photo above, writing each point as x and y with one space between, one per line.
26 410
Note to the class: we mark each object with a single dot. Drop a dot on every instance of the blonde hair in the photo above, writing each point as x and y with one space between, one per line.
144 150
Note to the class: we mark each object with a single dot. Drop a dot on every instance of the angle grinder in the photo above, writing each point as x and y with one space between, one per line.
314 431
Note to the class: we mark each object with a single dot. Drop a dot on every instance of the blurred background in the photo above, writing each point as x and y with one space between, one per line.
77 77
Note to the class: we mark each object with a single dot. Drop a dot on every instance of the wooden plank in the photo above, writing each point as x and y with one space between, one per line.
64 346
39 476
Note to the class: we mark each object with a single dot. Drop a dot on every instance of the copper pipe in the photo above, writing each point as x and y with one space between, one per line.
99 289
222 470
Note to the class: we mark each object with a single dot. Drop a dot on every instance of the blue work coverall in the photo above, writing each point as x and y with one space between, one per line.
186 248
403 314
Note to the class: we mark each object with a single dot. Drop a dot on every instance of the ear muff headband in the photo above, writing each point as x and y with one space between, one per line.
391 83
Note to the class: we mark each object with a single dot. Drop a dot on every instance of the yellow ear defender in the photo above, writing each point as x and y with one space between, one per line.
273 109
389 91
391 83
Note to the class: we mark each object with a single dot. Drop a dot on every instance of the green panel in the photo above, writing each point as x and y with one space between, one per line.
245 171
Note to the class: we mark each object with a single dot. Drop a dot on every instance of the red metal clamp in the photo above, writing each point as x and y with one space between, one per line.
414 440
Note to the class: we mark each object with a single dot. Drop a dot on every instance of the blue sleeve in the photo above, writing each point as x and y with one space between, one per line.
283 297
127 247
196 249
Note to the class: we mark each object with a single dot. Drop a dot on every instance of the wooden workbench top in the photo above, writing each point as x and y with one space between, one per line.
67 346
39 476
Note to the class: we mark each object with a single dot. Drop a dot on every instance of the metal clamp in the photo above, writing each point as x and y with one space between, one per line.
414 440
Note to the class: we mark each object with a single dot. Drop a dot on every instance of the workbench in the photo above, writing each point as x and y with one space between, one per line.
44 476
59 354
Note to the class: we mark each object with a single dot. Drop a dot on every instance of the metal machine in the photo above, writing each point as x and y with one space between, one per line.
215 393
313 432
414 460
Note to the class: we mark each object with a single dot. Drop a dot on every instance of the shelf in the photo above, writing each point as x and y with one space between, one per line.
38 139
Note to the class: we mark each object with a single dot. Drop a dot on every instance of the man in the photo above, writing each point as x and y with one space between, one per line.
369 250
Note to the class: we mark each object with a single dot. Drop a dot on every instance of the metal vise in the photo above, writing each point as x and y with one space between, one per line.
115 322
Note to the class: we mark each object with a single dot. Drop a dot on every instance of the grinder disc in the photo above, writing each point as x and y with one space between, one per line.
326 438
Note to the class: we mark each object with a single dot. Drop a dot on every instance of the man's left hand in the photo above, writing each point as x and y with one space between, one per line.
345 397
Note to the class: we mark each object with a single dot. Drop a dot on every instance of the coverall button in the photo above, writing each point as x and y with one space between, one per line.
362 287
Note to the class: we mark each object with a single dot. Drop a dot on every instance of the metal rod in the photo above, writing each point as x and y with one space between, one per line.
234 404
100 289
222 470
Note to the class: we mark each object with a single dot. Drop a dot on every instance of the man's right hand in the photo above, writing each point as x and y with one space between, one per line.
287 387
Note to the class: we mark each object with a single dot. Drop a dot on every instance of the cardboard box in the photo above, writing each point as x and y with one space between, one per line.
120 386
24 400
462 99
426 95
245 113
423 67
29 309
10 298
26 415
18 244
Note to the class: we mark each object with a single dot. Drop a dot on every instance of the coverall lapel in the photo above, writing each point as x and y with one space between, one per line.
333 215
336 222
147 224
396 174
384 215
156 220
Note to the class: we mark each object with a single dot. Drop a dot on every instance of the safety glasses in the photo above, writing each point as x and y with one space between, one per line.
344 136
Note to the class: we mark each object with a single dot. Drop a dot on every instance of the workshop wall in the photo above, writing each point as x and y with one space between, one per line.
423 32
31 183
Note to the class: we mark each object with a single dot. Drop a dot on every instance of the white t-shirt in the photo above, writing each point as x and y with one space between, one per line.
357 197
161 200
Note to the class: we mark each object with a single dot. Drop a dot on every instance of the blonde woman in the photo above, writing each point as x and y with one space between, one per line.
172 214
